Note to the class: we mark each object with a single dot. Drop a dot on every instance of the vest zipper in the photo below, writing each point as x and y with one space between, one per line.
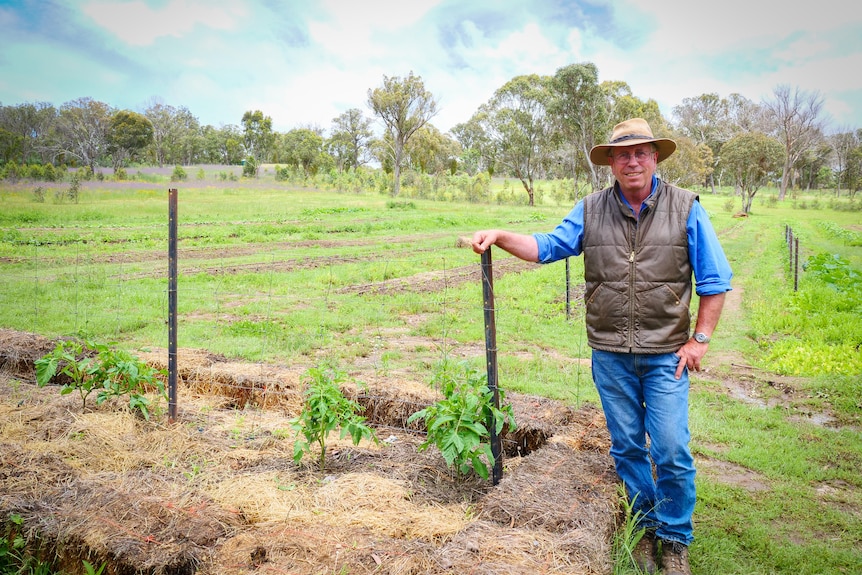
632 267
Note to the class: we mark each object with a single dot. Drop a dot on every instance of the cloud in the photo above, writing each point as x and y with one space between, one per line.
138 24
306 62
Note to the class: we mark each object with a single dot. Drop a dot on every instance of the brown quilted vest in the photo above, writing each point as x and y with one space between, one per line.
637 272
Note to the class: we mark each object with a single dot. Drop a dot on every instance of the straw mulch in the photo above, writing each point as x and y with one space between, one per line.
218 493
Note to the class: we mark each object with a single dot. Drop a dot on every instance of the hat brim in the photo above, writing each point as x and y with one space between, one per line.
599 154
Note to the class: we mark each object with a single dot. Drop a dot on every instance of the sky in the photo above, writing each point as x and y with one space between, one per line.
304 62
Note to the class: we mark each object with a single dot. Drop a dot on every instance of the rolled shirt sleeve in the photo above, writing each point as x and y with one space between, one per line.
712 273
566 239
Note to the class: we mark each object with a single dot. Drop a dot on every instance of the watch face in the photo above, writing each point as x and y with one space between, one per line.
701 338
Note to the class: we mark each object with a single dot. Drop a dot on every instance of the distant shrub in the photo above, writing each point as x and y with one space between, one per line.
74 190
85 174
249 168
35 172
39 194
282 174
11 172
201 175
393 205
179 174
52 174
120 174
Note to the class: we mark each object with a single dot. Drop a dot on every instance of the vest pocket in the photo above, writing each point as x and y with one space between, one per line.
666 319
607 310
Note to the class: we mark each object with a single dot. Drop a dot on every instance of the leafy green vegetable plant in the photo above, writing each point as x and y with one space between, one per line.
457 424
326 409
97 367
835 271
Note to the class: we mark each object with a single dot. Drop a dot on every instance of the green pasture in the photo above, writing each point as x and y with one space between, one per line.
274 273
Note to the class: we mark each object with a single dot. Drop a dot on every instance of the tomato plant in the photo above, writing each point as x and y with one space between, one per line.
97 367
457 424
326 409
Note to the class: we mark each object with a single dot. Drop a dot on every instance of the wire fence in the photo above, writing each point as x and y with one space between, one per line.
74 287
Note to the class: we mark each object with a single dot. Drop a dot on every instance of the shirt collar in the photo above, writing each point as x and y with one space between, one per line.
651 193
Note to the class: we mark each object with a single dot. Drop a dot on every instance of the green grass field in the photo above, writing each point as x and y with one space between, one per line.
271 273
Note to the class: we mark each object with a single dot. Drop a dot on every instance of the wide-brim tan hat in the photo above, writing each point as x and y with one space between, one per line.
631 133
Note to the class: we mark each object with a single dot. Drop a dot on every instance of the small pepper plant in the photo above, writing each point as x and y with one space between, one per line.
97 367
326 409
457 424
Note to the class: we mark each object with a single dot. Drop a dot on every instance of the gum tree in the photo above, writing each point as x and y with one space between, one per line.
129 134
81 131
258 137
704 120
796 115
25 128
404 106
517 131
579 108
350 137
751 158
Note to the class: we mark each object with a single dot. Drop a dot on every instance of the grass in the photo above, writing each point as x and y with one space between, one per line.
270 273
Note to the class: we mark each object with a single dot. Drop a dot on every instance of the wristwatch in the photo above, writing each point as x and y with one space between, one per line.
701 338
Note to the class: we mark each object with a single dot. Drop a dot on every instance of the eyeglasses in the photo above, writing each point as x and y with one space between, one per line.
625 157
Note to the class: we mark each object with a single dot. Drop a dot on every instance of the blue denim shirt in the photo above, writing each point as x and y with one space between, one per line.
712 271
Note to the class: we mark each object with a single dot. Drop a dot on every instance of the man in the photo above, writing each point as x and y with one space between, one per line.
642 239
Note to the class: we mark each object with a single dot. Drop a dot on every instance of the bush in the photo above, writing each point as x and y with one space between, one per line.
249 168
53 174
34 172
94 367
12 172
179 174
74 190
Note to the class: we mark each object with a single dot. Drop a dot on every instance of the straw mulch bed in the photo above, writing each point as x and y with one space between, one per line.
218 493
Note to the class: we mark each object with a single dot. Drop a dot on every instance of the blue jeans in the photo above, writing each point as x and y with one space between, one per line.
640 396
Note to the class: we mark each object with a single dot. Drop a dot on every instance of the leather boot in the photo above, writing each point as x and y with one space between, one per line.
674 558
644 554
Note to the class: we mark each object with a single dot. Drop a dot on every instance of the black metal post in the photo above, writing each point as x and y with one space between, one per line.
568 292
790 248
796 266
172 304
491 356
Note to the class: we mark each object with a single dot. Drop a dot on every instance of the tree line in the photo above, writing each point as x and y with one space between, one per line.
533 127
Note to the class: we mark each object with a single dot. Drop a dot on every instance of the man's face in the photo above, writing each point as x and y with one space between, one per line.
633 166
